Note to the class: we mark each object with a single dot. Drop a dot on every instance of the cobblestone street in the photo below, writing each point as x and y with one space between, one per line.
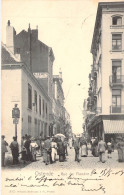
85 162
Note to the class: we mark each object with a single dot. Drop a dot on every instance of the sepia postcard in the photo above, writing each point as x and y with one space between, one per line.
62 97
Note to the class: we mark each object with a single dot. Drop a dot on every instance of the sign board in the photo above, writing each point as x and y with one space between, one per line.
15 121
15 113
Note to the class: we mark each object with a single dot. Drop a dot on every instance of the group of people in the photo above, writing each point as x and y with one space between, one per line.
53 147
50 147
99 147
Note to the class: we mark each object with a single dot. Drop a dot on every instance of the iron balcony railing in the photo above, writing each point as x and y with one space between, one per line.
118 79
117 109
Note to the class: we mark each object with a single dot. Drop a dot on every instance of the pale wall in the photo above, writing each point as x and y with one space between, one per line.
11 95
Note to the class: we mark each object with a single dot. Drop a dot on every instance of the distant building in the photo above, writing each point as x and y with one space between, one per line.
105 104
58 104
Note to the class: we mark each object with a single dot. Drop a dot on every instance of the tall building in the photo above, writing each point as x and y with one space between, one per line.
105 104
36 55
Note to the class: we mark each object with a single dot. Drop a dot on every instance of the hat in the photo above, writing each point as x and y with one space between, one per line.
119 137
32 138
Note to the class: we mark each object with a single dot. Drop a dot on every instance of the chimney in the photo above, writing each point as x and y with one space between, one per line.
10 37
35 33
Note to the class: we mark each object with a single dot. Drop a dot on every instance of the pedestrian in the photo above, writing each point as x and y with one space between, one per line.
23 150
66 146
53 150
33 149
4 145
70 143
109 148
47 151
112 144
120 148
24 155
42 146
61 150
83 145
101 150
77 148
15 150
38 145
27 146
95 147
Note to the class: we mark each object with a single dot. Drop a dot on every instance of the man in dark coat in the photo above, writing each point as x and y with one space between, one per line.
77 148
15 150
61 150
47 151
27 146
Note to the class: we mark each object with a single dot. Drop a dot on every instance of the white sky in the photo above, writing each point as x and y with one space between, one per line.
61 26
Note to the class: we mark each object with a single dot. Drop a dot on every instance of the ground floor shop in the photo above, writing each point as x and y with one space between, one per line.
106 126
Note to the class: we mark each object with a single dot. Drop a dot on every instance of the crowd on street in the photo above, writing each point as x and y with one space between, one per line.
51 147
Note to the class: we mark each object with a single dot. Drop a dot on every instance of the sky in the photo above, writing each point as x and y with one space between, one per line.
67 26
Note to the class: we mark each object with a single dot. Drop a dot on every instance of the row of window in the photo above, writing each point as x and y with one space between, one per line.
42 105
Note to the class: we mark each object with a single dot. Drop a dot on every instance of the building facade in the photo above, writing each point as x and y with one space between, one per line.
105 103
58 105
27 64
19 86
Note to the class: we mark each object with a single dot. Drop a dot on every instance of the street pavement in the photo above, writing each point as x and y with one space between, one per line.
89 162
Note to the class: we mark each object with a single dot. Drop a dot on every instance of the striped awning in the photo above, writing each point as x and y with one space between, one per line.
113 126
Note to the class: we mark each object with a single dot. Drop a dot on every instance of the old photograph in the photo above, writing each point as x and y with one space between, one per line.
62 97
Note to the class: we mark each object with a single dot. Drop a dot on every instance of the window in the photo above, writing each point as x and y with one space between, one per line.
116 101
116 42
39 105
29 125
46 109
116 20
35 128
35 100
43 108
116 71
29 96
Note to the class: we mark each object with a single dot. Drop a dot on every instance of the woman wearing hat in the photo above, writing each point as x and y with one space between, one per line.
33 146
4 149
120 148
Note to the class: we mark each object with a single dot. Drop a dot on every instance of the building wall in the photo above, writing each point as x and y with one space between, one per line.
33 52
11 95
107 57
42 124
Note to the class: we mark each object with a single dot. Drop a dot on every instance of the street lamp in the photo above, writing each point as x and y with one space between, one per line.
15 116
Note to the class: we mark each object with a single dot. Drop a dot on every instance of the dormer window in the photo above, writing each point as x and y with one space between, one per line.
117 20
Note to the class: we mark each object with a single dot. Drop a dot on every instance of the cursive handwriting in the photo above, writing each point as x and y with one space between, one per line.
94 189
64 179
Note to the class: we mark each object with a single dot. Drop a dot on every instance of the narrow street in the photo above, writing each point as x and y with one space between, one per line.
70 164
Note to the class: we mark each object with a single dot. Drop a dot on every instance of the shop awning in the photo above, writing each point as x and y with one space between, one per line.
113 126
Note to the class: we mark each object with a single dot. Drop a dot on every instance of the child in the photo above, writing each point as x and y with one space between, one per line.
109 148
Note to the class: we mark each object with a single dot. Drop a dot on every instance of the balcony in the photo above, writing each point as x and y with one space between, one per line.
116 26
116 80
117 109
